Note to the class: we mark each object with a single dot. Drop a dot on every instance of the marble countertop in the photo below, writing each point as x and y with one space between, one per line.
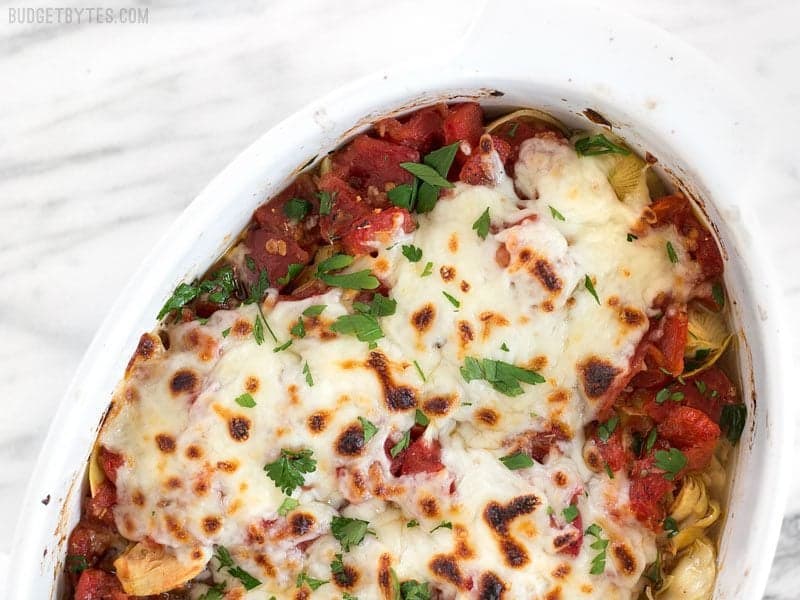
107 131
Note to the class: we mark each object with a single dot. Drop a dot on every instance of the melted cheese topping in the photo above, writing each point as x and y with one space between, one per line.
194 475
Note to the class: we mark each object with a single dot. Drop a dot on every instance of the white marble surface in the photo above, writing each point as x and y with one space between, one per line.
108 131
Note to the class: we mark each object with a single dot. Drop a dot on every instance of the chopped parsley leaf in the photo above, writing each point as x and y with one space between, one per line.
296 209
670 527
314 310
517 461
412 253
419 370
292 271
481 225
600 544
299 328
325 202
570 513
443 525
412 523
718 294
349 532
555 214
632 237
427 270
402 196
288 470
451 299
605 430
502 376
368 428
283 346
246 400
226 562
427 174
673 256
671 461
401 445
287 506
309 377
226 332
304 579
594 145
420 418
732 421
587 283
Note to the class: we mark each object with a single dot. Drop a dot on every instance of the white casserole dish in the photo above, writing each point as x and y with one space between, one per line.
660 96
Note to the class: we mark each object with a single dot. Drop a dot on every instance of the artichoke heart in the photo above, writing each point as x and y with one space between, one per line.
148 569
707 340
694 573
96 474
527 115
628 175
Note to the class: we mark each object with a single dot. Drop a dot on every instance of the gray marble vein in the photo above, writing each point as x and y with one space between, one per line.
108 131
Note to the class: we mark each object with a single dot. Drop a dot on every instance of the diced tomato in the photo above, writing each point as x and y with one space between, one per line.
717 392
464 123
692 432
90 540
95 584
274 252
421 456
100 506
377 227
673 342
538 443
271 216
367 161
648 496
422 130
677 210
110 462
478 167
613 450
348 208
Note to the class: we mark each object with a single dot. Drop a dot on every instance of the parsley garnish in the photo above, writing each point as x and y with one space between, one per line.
718 293
402 196
368 427
670 527
441 160
307 373
427 270
258 289
287 471
587 283
419 370
504 347
420 418
314 584
401 445
671 461
296 209
215 592
413 590
412 253
226 332
226 562
283 346
651 439
325 202
360 280
665 394
570 513
349 532
299 328
599 560
246 400
76 563
427 174
287 506
598 144
673 256
314 310
292 271
732 421
443 525
364 323
517 461
337 565
427 196
502 376
258 330
250 263
606 429
182 295
481 225
632 237
334 263
412 523
451 299
555 214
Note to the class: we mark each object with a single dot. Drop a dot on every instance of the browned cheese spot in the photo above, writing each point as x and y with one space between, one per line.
561 571
464 286
301 523
423 318
586 588
174 483
385 577
613 301
447 272
438 405
228 466
346 578
396 397
558 396
193 452
538 362
554 594
560 478
175 528
429 506
184 381
597 375
566 539
239 428
489 321
465 334
165 443
487 416
242 328
452 243
265 565
211 524
624 558
351 441
145 350
202 484
303 593
294 397
251 384
491 587
499 518
255 534
446 567
463 549
544 272
631 316
318 421
547 306
131 395
137 498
